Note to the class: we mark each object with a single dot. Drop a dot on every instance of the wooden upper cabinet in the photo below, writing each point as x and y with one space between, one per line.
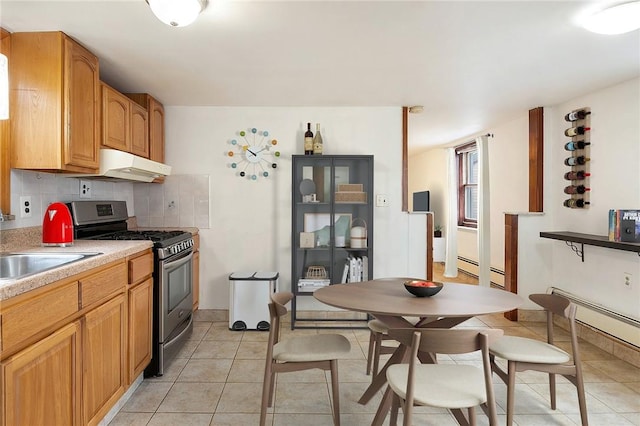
115 119
125 124
55 92
139 131
156 124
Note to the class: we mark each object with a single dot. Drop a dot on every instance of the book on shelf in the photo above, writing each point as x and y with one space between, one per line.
624 226
356 269
312 284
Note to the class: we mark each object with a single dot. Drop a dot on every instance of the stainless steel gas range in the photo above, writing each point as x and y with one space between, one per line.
172 273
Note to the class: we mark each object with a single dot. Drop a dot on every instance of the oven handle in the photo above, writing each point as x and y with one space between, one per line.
176 262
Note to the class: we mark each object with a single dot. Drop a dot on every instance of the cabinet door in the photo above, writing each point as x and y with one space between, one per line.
156 130
41 385
139 131
140 327
115 119
81 95
104 346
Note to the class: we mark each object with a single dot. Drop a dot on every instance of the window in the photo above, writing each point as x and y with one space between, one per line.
467 162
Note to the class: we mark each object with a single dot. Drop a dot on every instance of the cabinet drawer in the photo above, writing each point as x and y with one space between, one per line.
100 285
21 321
140 267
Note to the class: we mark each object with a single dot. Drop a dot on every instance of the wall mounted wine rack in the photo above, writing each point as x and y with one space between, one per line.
578 150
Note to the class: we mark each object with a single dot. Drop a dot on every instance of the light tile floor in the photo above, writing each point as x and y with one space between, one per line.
217 380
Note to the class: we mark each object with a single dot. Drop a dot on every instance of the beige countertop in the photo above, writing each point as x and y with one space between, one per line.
111 250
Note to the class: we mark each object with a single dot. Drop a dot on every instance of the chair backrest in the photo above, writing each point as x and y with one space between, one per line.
279 301
563 307
446 341
556 304
449 341
277 309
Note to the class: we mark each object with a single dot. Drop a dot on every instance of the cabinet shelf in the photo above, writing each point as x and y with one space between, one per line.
593 240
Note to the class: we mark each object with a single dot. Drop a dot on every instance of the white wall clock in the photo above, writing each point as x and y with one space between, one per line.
254 155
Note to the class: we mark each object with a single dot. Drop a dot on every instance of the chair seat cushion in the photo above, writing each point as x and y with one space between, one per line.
440 385
528 350
320 347
377 326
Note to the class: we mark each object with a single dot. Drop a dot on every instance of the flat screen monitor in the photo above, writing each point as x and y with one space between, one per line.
421 201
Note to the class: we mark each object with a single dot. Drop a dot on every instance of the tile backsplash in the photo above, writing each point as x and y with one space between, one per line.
183 200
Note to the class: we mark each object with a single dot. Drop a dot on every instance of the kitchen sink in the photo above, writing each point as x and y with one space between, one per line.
15 266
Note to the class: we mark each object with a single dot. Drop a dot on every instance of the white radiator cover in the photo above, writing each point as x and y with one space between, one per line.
614 323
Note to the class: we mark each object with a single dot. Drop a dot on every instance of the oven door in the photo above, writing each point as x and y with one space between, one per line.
176 297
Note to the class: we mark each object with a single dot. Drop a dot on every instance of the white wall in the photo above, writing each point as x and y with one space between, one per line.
615 183
509 183
428 171
250 221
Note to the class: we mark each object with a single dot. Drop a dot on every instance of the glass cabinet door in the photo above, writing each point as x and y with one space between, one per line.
332 215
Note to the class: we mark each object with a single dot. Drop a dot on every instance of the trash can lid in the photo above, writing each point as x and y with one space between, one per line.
266 275
241 275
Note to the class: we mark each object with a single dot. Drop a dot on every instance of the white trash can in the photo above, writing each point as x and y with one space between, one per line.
249 296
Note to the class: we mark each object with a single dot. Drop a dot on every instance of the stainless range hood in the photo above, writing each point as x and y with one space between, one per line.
123 165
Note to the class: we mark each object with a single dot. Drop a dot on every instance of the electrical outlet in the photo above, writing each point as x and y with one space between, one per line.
382 201
627 280
25 206
85 189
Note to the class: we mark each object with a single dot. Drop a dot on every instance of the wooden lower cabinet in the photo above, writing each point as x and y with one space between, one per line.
41 384
104 358
140 328
93 334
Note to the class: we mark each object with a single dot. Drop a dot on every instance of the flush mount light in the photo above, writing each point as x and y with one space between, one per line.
416 109
177 13
618 19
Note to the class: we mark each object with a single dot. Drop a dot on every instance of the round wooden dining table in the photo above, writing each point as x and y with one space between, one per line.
389 301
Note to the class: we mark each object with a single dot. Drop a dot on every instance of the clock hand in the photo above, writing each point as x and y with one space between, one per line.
254 154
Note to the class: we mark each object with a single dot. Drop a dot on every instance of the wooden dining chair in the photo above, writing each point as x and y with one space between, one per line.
378 332
377 335
451 386
299 353
523 354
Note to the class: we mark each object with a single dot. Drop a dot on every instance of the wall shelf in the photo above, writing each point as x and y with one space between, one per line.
593 240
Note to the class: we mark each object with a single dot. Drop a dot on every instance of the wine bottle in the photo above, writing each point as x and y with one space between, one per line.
576 189
575 203
308 141
575 161
317 141
577 115
577 175
572 146
574 131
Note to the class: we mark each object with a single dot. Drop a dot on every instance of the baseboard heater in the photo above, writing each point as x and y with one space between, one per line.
607 320
497 273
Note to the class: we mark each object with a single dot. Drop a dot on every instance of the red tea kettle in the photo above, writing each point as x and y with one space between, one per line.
57 226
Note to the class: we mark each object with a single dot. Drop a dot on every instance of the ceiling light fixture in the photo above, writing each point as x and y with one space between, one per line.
416 109
618 19
4 87
177 13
